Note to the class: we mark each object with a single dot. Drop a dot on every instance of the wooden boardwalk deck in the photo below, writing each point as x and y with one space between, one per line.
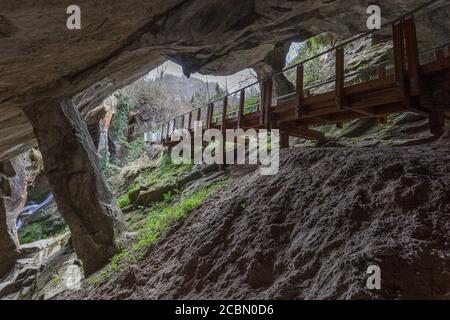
411 87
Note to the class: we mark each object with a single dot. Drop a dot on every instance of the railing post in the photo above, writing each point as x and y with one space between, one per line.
261 103
241 109
199 114
168 129
182 121
340 77
224 112
399 58
189 121
162 134
210 114
381 72
284 141
268 104
412 55
223 127
299 91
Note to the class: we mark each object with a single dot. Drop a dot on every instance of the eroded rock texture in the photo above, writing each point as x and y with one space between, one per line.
274 62
72 168
121 41
308 232
13 195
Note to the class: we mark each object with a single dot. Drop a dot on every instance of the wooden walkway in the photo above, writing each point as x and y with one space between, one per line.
410 86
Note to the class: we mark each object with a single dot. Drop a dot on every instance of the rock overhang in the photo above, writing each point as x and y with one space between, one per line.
119 42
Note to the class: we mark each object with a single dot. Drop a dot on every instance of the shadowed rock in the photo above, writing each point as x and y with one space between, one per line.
274 62
81 193
13 186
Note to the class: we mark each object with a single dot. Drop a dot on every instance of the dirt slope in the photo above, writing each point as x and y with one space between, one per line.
309 232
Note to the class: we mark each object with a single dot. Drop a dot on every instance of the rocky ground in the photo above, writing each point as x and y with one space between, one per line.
45 269
370 194
309 232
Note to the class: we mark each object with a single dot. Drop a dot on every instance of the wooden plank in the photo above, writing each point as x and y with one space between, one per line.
322 97
370 86
301 132
284 141
299 91
381 72
440 57
382 120
363 112
241 109
340 78
412 56
436 122
389 96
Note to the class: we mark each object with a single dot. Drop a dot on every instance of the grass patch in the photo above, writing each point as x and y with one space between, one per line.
123 201
158 219
165 172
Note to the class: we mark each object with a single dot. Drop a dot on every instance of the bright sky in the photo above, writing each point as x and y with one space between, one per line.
233 82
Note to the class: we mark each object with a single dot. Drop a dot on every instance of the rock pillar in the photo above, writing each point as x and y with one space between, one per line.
272 63
13 196
82 195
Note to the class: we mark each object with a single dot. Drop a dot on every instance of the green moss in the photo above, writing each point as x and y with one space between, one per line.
157 221
250 102
135 149
119 123
39 231
123 201
166 172
55 280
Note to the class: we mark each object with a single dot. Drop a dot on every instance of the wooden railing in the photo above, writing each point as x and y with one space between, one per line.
294 116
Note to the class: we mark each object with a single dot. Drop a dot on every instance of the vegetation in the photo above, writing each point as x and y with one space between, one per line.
250 103
123 201
313 70
135 149
158 219
165 172
40 230
119 123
